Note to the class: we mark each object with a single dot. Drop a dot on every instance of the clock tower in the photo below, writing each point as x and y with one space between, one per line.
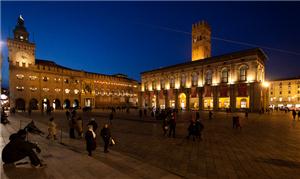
201 41
21 52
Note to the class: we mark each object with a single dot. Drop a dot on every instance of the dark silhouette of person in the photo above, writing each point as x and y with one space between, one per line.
105 134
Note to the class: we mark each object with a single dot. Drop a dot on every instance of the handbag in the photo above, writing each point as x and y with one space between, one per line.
112 141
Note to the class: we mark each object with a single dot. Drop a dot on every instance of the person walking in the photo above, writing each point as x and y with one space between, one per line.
68 115
105 134
72 123
94 124
294 114
52 129
192 130
90 138
111 117
79 128
172 124
199 128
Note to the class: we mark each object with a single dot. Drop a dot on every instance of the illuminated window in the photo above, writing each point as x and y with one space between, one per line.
32 78
20 76
208 77
224 76
67 91
46 89
154 85
183 80
20 88
194 79
162 84
57 89
146 86
66 81
33 89
172 82
76 91
243 73
45 78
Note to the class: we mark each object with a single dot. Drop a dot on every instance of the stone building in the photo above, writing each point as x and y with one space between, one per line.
232 80
36 84
285 92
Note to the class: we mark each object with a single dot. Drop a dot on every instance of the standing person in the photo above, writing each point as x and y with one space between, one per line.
192 130
111 117
90 138
165 126
140 113
294 114
105 134
72 123
94 124
199 128
210 114
298 114
68 115
79 124
172 124
52 129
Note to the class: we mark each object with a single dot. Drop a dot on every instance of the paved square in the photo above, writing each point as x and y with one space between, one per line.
266 147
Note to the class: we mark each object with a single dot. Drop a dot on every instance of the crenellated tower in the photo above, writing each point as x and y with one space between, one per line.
21 52
201 41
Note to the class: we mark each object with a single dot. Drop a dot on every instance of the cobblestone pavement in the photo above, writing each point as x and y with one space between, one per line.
267 146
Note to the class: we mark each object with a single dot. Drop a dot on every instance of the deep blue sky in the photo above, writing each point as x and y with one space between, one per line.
109 37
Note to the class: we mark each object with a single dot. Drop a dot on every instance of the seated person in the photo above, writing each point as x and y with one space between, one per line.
18 148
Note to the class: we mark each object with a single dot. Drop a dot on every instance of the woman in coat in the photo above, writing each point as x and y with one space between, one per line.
105 133
90 138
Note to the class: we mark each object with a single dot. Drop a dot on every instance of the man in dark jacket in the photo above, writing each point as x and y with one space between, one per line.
94 124
18 148
172 123
90 138
105 133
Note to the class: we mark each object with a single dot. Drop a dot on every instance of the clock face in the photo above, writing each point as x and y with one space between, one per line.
22 57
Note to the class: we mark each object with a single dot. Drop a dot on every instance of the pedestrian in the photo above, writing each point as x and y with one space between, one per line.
52 129
140 113
172 124
199 128
90 138
94 124
192 130
298 114
294 114
165 126
79 124
105 134
68 115
111 117
210 114
72 124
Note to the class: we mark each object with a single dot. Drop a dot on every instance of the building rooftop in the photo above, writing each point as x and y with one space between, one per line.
53 64
215 59
285 79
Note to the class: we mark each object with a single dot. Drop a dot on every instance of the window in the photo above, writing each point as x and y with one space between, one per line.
208 77
66 81
153 85
243 73
146 86
57 89
45 78
20 76
182 80
32 78
20 88
194 79
67 91
45 89
162 84
33 89
172 82
224 76
76 91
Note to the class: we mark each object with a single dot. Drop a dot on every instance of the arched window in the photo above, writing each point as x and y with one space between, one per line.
146 86
182 80
154 85
208 77
224 76
172 82
162 84
243 73
194 79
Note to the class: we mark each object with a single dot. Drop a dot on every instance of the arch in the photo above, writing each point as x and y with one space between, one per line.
208 77
20 104
243 72
33 104
182 100
76 103
56 104
224 75
45 104
66 104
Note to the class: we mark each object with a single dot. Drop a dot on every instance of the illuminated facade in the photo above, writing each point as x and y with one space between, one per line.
40 84
209 83
285 92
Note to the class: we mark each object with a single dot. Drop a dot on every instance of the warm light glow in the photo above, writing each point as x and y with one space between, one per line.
265 84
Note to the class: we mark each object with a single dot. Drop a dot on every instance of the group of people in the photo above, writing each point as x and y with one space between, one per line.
75 123
294 113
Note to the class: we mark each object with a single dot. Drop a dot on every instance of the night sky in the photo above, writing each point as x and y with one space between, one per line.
127 37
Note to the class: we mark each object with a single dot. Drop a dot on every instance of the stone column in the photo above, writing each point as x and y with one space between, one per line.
215 98
188 99
176 98
200 97
232 97
166 98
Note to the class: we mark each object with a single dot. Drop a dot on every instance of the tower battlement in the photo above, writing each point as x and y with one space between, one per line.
201 40
200 24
